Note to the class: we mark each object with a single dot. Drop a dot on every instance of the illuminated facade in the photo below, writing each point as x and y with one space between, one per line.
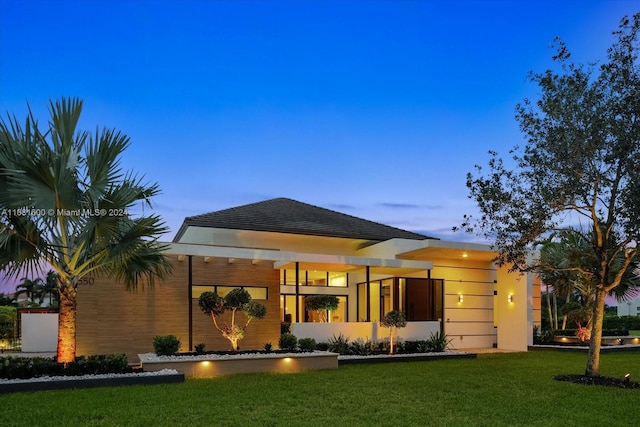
282 251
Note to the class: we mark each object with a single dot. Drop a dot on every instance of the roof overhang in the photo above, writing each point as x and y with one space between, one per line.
442 249
307 261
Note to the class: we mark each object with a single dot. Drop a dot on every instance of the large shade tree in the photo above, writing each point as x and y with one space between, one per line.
580 164
65 201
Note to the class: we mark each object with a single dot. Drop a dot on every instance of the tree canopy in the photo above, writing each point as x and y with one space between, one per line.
237 300
580 167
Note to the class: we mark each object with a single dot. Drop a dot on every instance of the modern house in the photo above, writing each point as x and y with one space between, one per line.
282 251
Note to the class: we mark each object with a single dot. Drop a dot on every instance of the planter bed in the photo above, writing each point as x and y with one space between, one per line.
412 357
90 381
216 365
585 348
606 340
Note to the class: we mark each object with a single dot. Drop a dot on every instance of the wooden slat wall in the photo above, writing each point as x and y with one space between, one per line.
113 320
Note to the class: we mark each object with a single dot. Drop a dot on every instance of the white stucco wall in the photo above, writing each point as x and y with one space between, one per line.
322 332
629 308
39 332
515 322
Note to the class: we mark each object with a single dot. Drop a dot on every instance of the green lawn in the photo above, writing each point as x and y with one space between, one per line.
492 390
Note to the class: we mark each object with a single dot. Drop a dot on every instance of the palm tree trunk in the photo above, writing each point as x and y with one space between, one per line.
566 316
555 312
67 325
593 359
549 309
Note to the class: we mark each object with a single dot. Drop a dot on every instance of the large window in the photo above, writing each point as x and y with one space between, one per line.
288 309
418 299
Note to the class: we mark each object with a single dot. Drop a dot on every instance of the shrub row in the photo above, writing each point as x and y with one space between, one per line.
624 322
13 367
340 344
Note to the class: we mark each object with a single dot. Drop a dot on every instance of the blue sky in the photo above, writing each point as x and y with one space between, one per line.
377 109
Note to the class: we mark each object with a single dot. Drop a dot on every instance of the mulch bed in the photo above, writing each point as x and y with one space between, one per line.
606 381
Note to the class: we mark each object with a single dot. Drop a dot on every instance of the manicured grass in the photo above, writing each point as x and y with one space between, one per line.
492 390
634 332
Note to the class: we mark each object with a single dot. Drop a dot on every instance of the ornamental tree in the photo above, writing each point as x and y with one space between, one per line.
393 320
580 165
321 304
237 300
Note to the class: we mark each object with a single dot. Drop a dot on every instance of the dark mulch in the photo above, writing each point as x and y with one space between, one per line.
606 381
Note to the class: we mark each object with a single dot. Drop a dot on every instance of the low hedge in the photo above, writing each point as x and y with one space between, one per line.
13 367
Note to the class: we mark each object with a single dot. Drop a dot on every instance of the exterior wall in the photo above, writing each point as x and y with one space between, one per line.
365 331
39 332
113 320
515 317
218 271
629 308
469 323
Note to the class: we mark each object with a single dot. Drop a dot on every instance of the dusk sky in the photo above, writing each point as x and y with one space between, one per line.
377 109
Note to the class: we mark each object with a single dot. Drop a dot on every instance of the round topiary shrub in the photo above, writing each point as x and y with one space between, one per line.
166 345
288 342
307 344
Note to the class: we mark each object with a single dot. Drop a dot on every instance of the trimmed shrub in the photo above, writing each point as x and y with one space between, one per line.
166 345
268 347
307 344
29 367
200 348
322 346
288 342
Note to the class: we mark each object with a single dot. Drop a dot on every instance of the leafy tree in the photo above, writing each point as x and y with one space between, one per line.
321 304
581 162
237 300
64 201
393 320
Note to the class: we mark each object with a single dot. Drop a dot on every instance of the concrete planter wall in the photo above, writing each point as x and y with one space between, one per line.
241 364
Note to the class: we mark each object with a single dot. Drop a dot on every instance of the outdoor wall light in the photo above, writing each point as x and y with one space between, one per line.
287 360
510 298
460 298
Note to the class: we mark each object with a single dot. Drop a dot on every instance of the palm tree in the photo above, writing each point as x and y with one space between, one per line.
568 265
32 289
66 203
50 288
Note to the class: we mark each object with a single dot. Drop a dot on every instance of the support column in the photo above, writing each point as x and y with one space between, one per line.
190 302
297 319
367 272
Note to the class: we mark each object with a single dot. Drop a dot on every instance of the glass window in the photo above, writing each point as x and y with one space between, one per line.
332 316
196 291
316 278
362 302
338 279
256 292
418 299
374 295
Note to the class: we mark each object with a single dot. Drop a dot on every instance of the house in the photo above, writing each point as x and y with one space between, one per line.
629 308
282 251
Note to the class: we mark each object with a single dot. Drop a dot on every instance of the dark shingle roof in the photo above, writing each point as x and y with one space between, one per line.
290 216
